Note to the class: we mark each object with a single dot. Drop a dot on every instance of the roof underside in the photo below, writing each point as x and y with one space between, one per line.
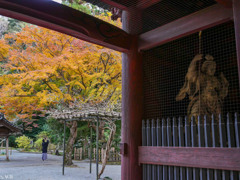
153 14
156 13
167 11
4 123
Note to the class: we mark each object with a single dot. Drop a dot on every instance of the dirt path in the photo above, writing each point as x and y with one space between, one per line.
29 166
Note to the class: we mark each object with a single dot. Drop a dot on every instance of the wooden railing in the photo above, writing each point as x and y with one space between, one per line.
81 153
179 150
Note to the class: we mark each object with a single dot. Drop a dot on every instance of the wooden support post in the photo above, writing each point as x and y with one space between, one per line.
97 154
132 101
64 147
7 152
236 16
74 154
90 168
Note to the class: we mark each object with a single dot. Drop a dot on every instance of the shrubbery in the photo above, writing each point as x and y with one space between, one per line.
23 142
38 144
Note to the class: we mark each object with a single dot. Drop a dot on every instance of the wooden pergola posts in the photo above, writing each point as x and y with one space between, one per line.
91 116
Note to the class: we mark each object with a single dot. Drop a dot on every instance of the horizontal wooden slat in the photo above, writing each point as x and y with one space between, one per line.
52 15
187 25
212 158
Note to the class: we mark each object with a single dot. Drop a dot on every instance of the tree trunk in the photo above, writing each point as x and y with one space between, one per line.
108 147
100 130
71 141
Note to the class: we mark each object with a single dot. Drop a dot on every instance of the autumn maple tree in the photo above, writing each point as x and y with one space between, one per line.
44 70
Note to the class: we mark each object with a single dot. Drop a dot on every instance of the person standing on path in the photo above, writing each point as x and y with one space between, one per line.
44 149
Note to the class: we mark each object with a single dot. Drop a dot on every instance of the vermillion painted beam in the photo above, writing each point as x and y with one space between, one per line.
52 15
226 3
195 22
212 158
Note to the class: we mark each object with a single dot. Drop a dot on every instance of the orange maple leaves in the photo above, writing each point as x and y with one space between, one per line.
46 68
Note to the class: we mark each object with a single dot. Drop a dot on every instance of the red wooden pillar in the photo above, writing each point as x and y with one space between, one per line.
236 16
132 100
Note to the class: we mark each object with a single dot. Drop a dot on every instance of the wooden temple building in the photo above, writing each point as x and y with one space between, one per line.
158 40
7 129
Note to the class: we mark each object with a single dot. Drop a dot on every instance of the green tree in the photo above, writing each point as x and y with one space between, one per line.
78 5
3 26
55 130
15 25
12 141
9 25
